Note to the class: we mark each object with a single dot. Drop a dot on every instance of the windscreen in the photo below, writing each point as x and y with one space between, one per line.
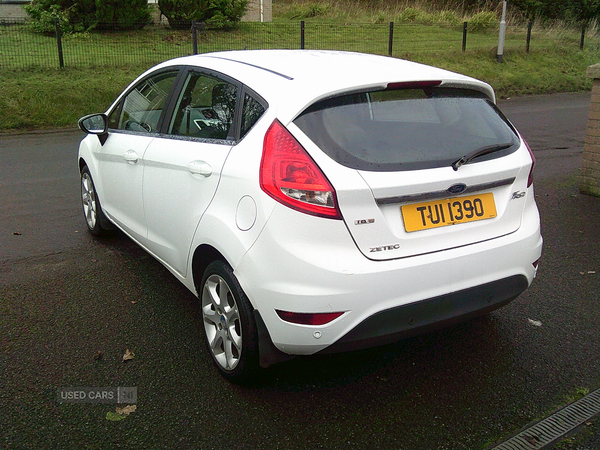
408 129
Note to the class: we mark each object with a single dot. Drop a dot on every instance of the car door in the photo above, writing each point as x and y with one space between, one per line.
183 168
133 125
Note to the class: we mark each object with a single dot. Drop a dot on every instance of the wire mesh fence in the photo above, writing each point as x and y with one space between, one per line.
21 48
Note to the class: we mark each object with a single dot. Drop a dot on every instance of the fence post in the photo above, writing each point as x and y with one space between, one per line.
529 27
464 45
302 34
391 39
582 37
61 60
195 27
502 34
194 38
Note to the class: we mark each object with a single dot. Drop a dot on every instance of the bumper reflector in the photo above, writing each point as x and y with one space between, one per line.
308 318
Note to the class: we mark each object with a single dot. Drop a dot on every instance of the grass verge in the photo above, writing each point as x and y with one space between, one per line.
54 98
99 66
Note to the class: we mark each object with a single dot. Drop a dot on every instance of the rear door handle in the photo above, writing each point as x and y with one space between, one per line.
131 156
200 168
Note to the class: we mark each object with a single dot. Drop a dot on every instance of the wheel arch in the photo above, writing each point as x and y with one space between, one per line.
203 256
82 164
268 353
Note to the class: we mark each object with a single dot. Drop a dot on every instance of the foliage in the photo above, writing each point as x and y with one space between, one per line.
446 17
215 13
570 10
73 17
579 10
301 11
81 15
226 13
482 21
413 15
43 21
181 13
122 14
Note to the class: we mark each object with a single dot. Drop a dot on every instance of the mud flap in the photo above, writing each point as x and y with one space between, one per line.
268 353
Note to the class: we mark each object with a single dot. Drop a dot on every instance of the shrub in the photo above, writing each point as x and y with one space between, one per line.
215 13
308 10
81 15
72 16
483 21
42 20
414 15
122 14
446 17
226 13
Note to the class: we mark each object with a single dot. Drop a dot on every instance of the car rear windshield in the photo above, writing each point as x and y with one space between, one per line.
408 129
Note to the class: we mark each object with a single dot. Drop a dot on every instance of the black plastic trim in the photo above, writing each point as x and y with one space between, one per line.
268 353
427 315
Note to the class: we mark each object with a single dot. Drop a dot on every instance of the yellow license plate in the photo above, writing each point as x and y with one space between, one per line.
450 211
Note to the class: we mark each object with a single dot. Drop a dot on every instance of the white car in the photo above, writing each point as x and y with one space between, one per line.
316 201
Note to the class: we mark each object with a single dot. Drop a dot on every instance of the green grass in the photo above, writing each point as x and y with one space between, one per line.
36 94
51 98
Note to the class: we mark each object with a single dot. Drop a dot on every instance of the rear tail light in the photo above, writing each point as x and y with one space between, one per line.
308 318
530 178
290 176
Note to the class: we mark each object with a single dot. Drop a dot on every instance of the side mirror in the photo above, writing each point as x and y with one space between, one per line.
95 124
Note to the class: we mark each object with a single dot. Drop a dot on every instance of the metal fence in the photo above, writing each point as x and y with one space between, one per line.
22 49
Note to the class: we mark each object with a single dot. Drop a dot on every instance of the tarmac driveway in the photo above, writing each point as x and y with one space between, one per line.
70 307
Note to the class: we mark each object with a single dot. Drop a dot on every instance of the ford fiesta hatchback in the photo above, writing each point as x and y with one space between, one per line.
316 201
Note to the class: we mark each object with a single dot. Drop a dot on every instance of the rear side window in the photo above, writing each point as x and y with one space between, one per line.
252 111
407 129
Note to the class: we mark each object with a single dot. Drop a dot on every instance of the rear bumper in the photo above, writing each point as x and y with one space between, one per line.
299 270
420 317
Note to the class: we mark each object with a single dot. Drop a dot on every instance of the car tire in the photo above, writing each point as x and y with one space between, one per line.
229 325
95 219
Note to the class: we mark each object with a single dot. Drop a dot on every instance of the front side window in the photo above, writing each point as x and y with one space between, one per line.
408 129
205 108
142 108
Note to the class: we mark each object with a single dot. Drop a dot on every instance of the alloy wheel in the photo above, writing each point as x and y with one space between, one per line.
222 322
88 197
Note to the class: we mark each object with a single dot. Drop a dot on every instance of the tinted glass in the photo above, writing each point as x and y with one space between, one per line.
407 129
250 114
205 108
141 109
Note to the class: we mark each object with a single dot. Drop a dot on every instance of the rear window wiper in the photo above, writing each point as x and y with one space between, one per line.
479 152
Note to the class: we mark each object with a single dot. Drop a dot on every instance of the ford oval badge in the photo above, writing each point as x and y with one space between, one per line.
457 188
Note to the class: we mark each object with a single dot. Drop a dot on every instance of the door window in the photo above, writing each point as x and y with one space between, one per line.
142 108
205 108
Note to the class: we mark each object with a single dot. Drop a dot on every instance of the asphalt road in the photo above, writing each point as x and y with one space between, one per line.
66 298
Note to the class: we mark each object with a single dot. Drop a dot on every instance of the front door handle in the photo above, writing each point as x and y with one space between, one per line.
131 156
200 168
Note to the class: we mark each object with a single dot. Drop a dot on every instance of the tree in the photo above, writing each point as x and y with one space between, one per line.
215 13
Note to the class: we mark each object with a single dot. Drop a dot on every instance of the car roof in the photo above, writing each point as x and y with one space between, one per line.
302 77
